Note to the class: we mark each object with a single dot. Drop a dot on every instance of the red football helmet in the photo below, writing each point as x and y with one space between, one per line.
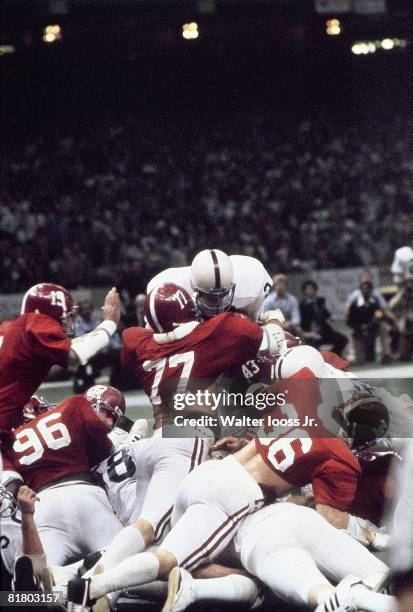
106 398
167 306
35 406
52 300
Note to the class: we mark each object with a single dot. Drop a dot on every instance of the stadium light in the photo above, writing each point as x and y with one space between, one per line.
7 49
52 33
387 44
190 31
333 27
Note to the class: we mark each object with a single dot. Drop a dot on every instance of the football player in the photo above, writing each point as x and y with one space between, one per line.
183 355
39 339
284 546
213 498
220 283
54 454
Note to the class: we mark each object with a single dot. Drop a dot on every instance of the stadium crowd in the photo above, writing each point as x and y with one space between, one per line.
117 204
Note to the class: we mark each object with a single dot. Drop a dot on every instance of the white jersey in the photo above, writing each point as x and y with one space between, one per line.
402 266
252 283
11 540
119 476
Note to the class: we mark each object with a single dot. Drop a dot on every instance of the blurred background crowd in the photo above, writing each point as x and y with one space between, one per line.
116 204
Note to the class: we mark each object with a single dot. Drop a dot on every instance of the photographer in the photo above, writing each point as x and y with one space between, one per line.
402 307
315 320
368 317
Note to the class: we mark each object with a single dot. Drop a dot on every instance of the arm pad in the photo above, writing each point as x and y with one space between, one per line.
85 347
273 340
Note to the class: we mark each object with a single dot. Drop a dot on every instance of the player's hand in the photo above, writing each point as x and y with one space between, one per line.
26 499
271 315
111 307
229 443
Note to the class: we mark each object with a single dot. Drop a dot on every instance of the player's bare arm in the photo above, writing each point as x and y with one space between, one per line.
31 544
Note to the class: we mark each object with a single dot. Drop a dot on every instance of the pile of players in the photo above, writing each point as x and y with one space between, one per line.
102 508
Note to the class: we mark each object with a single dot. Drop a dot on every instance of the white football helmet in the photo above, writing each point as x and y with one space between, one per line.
212 279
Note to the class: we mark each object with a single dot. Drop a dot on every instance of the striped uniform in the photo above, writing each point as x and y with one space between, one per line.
211 502
142 478
252 283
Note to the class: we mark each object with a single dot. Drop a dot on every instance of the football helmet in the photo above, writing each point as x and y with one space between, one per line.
167 306
52 300
110 399
212 278
8 505
35 406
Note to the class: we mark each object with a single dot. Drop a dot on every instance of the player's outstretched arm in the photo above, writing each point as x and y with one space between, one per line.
31 543
85 347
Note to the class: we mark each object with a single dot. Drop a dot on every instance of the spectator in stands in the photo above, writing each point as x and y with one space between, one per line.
130 200
402 307
368 316
286 302
402 266
315 320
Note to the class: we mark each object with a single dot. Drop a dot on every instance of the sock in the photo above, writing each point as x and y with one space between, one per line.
127 542
324 594
234 588
133 571
355 529
372 602
39 562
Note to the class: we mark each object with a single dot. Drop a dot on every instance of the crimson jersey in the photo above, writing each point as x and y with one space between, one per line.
66 440
191 363
306 452
29 347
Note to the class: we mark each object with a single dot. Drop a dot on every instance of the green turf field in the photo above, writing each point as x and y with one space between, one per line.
399 380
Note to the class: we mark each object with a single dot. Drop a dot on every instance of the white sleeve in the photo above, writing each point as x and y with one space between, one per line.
85 347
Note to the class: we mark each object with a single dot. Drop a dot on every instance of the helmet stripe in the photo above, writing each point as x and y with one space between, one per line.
26 295
216 270
152 310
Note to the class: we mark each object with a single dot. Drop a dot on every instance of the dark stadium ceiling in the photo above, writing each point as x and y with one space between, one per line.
109 22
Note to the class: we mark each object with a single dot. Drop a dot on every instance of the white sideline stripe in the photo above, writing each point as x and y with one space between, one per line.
395 371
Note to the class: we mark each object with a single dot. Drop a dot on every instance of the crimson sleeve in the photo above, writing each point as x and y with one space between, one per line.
130 340
335 484
240 337
98 445
48 340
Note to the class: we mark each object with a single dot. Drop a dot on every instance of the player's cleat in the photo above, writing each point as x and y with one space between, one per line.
24 578
180 591
340 599
78 594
